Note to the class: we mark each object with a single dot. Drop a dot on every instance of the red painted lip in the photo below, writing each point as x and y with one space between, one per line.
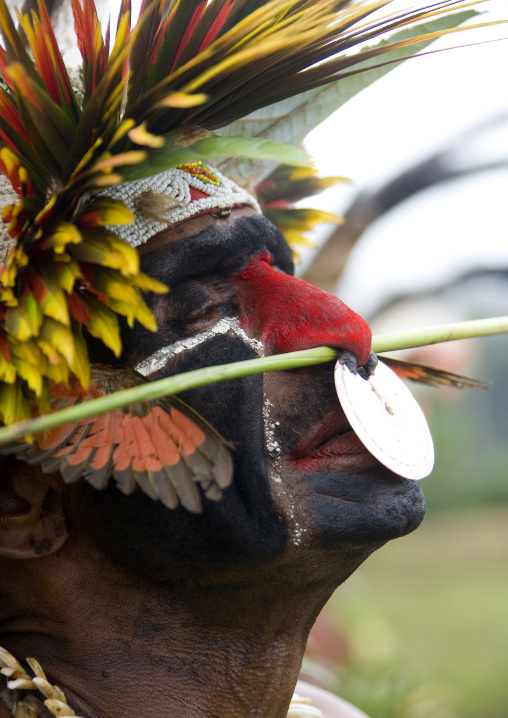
329 429
332 445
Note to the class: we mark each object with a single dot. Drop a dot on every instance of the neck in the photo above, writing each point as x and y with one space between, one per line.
223 650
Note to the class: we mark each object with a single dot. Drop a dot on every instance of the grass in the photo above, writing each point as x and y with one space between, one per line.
426 622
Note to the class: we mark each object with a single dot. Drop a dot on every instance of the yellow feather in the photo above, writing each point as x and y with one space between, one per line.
124 257
58 372
137 310
123 128
103 324
67 274
18 324
54 303
30 374
59 337
104 211
149 284
7 371
64 233
9 299
29 352
16 260
294 237
140 136
13 405
80 365
183 100
45 211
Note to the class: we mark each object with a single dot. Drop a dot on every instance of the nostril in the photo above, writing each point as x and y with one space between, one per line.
348 359
371 365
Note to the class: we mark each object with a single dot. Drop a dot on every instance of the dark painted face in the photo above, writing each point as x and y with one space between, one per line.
303 482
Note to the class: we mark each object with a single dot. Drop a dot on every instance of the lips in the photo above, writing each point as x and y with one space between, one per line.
332 445
333 425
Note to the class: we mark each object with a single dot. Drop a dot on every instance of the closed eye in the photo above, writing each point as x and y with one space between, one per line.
203 312
194 300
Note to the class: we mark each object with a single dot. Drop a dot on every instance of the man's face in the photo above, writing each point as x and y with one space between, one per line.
302 480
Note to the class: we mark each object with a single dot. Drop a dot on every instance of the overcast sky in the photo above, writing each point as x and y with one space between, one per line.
421 106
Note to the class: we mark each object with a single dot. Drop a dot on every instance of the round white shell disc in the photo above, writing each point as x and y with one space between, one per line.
387 419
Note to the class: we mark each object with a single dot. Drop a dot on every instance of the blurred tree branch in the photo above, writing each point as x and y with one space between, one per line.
370 204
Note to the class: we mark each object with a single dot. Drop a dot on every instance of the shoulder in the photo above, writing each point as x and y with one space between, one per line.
330 705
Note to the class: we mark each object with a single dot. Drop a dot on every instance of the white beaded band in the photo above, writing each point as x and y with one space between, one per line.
7 196
173 196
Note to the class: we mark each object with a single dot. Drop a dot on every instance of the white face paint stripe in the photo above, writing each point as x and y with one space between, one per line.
159 359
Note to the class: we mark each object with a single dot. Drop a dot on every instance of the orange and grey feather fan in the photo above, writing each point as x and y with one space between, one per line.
162 446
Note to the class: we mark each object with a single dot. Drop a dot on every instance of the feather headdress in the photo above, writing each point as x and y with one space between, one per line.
253 70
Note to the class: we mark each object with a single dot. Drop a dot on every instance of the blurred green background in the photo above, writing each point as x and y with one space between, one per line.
421 629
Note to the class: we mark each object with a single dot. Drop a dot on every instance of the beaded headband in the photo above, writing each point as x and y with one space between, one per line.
174 196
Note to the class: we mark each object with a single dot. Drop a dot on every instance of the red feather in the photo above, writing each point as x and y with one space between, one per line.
11 116
4 348
78 309
217 24
49 62
188 32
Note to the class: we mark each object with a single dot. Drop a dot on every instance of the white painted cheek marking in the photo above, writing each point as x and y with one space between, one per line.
159 359
274 450
271 444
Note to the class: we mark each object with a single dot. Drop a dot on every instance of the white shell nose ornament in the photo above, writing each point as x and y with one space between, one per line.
387 419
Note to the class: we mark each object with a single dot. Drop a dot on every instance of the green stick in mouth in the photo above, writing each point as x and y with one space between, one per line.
279 362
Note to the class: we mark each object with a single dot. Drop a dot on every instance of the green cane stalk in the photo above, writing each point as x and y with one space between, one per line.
439 333
279 362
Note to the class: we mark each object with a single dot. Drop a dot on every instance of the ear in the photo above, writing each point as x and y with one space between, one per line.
32 519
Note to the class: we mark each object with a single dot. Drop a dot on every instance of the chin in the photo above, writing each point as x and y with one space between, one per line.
363 506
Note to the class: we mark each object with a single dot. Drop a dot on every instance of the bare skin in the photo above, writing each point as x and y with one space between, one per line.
196 617
226 646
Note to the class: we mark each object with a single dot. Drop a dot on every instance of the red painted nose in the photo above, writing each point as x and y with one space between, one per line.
288 314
